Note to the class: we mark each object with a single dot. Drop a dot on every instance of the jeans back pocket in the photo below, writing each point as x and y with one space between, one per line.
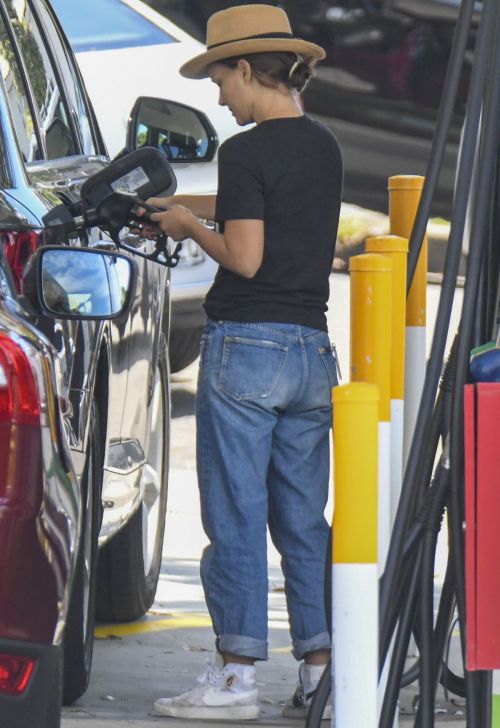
250 368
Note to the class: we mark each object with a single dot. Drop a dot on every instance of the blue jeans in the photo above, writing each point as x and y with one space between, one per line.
263 415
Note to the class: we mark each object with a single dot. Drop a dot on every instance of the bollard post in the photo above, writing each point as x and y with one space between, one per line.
354 556
404 196
371 295
395 248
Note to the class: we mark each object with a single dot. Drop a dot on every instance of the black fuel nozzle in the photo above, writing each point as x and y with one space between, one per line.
149 209
58 225
113 212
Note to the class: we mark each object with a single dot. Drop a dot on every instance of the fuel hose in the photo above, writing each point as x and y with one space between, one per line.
407 589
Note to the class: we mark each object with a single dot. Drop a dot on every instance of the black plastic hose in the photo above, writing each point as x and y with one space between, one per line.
446 107
483 54
433 434
480 71
321 695
486 170
438 428
403 634
425 712
493 302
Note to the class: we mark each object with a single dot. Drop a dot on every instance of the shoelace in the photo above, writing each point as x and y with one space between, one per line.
212 673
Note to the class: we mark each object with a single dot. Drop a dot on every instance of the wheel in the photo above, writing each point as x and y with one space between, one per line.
129 565
79 630
184 347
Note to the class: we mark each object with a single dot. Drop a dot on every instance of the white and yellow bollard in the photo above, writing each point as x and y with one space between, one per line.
354 557
396 249
404 197
371 296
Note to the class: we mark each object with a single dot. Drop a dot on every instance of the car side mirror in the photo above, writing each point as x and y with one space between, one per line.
79 283
181 133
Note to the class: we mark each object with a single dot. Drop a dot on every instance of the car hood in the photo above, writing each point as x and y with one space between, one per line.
115 78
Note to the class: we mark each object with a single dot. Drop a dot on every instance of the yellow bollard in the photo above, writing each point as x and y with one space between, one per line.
395 248
404 197
354 557
371 297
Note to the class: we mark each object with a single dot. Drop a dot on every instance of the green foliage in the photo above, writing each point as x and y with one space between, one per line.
30 52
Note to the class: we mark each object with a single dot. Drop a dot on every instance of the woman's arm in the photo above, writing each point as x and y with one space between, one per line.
202 206
239 249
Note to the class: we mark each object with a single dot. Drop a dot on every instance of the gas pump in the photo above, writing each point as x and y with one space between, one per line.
406 589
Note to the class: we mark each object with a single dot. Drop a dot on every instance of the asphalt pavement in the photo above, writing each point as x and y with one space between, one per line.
161 654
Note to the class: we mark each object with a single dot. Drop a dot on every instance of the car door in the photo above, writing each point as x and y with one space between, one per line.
46 134
58 147
135 345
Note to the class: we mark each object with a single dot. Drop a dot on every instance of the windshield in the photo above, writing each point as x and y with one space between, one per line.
96 25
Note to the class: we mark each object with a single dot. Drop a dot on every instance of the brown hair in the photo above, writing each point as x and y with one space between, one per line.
277 67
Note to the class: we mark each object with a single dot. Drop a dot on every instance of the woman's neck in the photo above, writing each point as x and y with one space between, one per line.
276 105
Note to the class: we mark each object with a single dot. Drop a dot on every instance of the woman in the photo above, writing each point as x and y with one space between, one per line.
266 365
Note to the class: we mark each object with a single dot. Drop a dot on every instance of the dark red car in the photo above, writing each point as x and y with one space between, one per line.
49 515
84 399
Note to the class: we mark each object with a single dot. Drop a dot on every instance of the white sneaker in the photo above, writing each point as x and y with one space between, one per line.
222 693
298 705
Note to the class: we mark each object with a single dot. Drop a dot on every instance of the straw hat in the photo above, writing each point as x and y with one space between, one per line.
247 29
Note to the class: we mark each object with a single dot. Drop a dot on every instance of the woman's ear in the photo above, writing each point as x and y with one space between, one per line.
245 69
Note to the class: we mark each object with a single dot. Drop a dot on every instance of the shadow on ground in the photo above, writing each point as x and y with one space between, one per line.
183 401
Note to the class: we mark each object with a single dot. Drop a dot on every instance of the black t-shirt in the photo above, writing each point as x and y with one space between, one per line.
288 173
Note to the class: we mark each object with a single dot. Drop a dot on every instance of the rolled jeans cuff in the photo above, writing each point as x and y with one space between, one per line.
320 641
243 646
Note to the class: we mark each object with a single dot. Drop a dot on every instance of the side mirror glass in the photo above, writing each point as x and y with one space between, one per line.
181 133
79 283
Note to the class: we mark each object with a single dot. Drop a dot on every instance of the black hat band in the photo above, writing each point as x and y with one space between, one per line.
250 37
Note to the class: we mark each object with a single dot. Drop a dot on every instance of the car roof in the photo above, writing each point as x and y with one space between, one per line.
110 24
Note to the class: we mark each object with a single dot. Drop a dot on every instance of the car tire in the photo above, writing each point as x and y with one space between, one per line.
184 347
79 630
52 716
129 565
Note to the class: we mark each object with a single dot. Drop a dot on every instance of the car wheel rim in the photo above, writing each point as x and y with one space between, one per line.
152 477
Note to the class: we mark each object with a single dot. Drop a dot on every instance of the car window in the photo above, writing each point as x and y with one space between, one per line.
46 94
17 96
104 24
70 78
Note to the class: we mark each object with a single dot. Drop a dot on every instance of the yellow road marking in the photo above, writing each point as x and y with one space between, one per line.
172 621
151 624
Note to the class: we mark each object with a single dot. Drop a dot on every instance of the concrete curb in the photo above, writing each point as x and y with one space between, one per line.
357 224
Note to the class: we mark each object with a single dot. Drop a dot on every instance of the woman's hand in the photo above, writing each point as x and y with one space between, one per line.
145 229
162 202
177 222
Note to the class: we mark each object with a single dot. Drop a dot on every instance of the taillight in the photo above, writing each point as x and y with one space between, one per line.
19 397
15 673
18 246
